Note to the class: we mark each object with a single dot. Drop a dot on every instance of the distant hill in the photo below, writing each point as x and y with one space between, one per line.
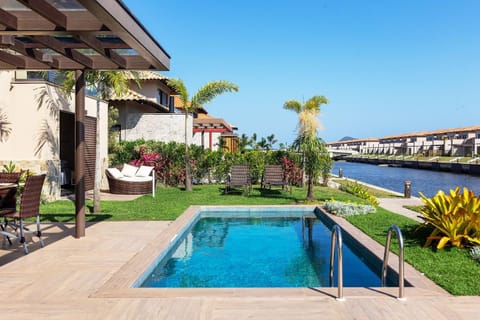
347 138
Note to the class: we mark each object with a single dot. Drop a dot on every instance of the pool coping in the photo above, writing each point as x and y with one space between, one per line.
120 285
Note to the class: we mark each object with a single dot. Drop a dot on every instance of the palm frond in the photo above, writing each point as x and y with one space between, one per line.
211 90
314 103
293 105
179 86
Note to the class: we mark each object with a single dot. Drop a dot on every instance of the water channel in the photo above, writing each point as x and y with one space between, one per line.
426 181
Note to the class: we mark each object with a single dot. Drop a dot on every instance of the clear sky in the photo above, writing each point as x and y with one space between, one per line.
387 67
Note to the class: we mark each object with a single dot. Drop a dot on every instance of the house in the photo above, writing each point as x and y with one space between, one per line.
152 111
452 142
37 124
147 111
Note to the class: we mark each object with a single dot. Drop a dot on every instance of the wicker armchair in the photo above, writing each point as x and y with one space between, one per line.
8 197
29 207
124 185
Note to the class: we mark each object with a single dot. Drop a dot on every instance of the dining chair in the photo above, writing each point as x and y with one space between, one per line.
29 207
8 197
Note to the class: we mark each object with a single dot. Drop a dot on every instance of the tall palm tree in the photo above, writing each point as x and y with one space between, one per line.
307 140
243 143
104 85
203 96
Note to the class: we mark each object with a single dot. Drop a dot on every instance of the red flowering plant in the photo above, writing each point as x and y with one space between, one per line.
293 174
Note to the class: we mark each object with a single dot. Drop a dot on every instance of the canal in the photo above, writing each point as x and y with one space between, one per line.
426 181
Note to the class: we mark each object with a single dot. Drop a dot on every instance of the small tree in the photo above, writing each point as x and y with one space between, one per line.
307 140
203 96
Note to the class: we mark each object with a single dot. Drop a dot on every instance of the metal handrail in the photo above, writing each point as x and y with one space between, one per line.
401 276
337 239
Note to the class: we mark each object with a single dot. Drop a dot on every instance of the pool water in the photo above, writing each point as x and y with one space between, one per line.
222 252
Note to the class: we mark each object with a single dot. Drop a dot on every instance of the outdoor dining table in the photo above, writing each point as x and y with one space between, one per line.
6 186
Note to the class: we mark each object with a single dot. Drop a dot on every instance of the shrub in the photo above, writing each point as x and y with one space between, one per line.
475 253
455 218
344 209
359 191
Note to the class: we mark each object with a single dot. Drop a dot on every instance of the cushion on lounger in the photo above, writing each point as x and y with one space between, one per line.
114 172
129 170
144 171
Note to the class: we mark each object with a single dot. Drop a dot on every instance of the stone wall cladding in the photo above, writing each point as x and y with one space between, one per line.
157 126
51 188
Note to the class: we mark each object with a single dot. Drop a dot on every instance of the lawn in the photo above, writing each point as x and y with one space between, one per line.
451 268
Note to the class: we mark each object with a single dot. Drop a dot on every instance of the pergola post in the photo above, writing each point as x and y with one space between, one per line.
79 154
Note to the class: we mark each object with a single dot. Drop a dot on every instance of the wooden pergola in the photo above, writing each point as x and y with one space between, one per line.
77 35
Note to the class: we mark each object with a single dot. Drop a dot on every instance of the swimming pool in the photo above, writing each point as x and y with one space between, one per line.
253 248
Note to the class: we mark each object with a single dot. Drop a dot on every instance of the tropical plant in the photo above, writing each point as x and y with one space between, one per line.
360 191
203 96
345 209
307 141
455 217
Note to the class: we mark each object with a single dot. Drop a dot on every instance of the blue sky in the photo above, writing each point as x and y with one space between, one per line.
387 67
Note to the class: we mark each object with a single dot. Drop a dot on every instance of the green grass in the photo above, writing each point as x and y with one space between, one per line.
169 203
452 269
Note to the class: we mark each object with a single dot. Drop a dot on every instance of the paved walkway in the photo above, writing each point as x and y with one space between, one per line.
396 205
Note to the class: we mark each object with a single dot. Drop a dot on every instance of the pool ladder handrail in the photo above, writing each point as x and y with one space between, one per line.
337 240
401 262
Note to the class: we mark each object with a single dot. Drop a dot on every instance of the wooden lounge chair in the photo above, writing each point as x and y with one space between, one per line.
8 197
29 207
239 177
273 176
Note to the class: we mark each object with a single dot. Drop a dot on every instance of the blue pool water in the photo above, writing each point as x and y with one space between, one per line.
220 252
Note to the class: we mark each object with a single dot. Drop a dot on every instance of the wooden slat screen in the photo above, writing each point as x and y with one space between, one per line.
90 143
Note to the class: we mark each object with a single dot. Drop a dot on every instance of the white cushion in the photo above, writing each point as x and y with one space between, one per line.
114 172
143 171
136 179
129 170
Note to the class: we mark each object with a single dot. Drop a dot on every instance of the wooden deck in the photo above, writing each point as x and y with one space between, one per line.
72 279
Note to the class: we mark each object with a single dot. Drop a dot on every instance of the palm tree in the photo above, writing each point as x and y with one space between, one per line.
204 95
104 84
307 140
271 141
243 143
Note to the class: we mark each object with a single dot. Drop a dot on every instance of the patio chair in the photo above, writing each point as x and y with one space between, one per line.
29 207
8 197
239 177
273 176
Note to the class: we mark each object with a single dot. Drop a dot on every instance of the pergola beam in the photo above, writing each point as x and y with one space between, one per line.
8 20
97 45
58 47
47 11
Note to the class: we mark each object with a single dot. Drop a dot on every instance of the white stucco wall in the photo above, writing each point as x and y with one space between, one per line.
30 110
164 127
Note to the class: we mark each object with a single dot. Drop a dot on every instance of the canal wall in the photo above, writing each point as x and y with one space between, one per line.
456 167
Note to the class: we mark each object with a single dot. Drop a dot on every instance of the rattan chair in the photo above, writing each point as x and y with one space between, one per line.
119 186
29 207
273 176
239 177
8 197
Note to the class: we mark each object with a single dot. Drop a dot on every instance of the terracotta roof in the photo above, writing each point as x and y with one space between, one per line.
211 123
131 95
414 134
149 75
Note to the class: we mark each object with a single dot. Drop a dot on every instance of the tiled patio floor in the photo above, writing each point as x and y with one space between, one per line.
65 280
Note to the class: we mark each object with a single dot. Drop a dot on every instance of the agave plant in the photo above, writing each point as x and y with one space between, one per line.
455 217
